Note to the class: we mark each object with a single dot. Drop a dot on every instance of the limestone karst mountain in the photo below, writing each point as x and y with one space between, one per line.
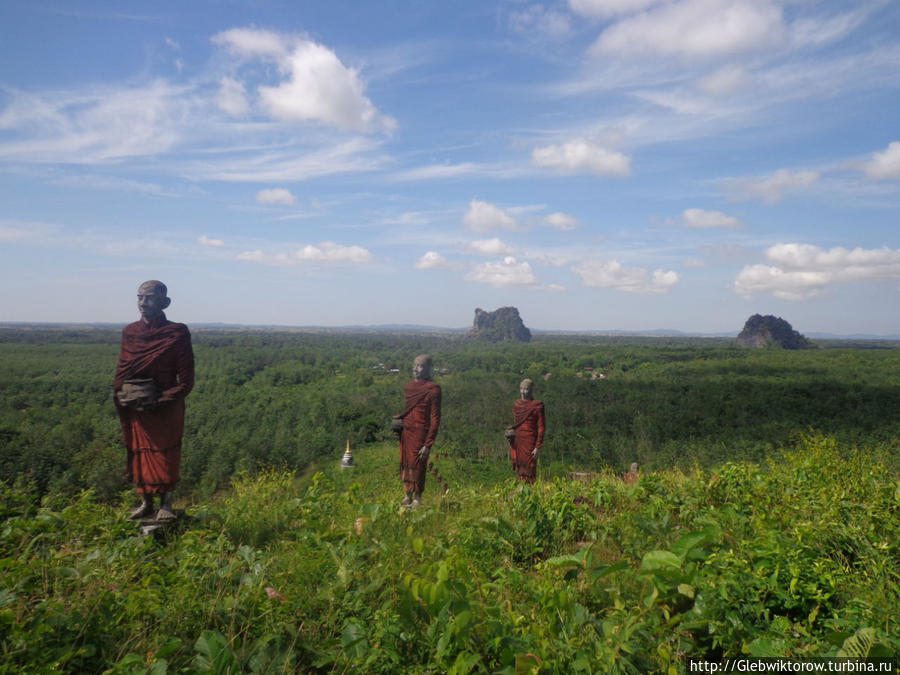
768 331
501 325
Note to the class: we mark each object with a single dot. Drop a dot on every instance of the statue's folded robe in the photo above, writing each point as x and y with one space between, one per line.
421 419
160 350
528 422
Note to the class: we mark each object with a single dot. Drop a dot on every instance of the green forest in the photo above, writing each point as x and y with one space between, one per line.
764 522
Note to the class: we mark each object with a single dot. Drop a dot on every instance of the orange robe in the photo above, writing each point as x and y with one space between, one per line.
421 419
529 424
162 350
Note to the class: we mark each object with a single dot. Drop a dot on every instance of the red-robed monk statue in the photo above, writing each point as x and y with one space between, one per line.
418 426
526 435
154 375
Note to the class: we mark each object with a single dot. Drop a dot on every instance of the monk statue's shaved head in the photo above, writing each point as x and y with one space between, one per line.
152 299
422 367
154 286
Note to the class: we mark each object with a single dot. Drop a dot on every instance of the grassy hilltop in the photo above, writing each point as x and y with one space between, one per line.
324 573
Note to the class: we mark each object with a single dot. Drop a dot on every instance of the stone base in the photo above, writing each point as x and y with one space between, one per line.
150 525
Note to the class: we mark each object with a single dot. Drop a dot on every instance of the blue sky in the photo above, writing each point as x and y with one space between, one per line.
600 164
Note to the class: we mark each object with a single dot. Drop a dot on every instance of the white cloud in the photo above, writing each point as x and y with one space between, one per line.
503 274
800 271
608 8
317 87
491 247
562 221
232 97
695 28
582 156
432 260
206 241
701 219
885 165
771 189
326 252
484 217
612 274
253 42
275 196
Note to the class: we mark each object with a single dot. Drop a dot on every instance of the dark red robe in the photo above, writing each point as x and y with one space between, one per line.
421 419
528 421
162 350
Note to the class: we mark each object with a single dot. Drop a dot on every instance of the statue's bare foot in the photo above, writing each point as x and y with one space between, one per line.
142 511
415 503
165 513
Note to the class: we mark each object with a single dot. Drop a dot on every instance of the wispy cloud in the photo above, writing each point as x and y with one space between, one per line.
437 171
17 232
771 189
299 164
326 252
203 240
540 21
95 126
232 97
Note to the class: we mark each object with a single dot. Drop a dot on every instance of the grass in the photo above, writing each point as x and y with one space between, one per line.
324 572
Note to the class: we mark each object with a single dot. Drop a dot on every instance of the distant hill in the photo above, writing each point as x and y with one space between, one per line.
768 331
501 325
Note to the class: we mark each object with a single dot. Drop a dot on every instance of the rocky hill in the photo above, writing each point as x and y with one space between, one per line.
771 331
502 325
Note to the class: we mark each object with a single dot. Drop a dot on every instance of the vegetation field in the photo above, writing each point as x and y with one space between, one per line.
286 400
766 519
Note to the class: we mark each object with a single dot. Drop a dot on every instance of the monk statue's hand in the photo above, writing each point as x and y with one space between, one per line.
397 424
424 452
534 453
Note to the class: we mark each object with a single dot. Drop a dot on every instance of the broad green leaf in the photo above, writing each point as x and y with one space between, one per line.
859 644
665 561
353 640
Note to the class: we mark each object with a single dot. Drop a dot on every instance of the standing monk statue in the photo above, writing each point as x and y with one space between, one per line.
418 426
154 375
526 435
